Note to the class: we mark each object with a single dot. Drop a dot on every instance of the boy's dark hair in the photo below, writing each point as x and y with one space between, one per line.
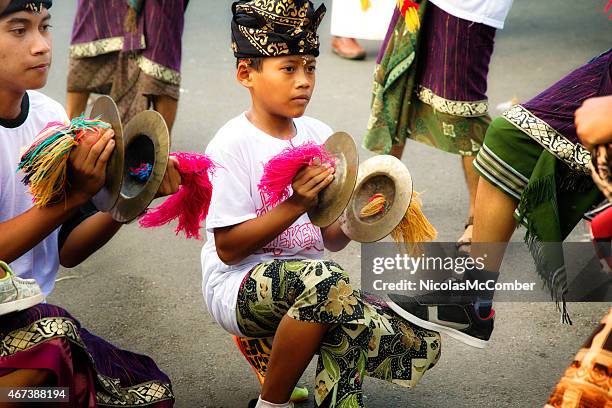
255 63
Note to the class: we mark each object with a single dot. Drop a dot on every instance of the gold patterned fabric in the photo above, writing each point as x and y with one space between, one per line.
572 154
26 5
588 380
465 109
272 28
109 391
99 47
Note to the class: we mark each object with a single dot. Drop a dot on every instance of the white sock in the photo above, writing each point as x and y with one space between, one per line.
265 404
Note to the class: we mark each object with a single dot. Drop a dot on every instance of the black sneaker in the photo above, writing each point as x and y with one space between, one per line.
252 403
456 316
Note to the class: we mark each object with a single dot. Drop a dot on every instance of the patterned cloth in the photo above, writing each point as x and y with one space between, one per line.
273 28
588 380
430 86
366 338
543 167
119 76
600 169
130 66
96 372
28 5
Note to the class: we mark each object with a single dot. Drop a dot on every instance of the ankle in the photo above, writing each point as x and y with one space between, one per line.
261 403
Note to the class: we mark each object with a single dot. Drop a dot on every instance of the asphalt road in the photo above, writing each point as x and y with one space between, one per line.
143 290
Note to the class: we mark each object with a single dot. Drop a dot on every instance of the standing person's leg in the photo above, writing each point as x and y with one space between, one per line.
167 107
347 48
76 102
493 223
397 150
471 180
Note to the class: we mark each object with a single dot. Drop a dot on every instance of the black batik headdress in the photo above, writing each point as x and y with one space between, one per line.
15 6
273 28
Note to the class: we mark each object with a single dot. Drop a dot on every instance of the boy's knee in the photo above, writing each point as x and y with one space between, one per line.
28 378
334 268
496 127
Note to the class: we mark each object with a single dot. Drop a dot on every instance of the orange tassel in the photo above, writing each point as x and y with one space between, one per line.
414 227
365 5
375 205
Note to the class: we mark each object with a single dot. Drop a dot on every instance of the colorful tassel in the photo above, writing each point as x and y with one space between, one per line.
280 171
191 202
45 161
410 11
130 22
142 172
414 227
375 205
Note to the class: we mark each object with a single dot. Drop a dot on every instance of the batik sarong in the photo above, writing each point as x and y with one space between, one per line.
366 337
532 154
430 86
95 372
130 65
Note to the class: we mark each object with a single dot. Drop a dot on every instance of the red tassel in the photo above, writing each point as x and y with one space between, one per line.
406 5
191 202
280 171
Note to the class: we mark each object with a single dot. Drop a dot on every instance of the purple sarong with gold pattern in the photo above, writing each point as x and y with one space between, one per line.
131 63
95 372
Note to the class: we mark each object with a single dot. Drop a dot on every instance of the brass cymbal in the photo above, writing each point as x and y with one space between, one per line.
382 174
335 197
105 108
147 140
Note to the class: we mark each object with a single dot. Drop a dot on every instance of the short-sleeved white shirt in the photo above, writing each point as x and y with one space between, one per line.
42 261
241 149
490 12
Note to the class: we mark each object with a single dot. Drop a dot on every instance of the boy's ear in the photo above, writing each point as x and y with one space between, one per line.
244 74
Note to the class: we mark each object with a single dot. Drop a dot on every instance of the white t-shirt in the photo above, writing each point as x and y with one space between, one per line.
348 19
42 261
490 12
241 150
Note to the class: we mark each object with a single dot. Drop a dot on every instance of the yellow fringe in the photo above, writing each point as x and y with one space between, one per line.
375 205
48 181
413 23
414 227
365 5
412 20
130 23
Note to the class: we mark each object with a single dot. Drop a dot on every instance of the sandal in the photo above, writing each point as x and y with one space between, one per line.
464 246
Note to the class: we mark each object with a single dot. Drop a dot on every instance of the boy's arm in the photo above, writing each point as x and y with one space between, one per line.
96 230
593 121
334 238
22 233
236 242
88 167
86 238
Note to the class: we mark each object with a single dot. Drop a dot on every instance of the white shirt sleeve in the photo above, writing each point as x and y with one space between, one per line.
231 201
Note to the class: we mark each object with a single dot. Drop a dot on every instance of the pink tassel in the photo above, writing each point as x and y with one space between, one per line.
191 202
280 171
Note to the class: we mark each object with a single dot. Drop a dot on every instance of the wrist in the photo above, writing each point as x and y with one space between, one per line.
294 206
75 200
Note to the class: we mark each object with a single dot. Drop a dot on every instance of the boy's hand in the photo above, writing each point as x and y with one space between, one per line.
172 179
87 164
594 121
308 183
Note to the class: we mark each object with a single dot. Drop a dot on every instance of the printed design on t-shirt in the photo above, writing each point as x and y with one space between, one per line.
296 238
